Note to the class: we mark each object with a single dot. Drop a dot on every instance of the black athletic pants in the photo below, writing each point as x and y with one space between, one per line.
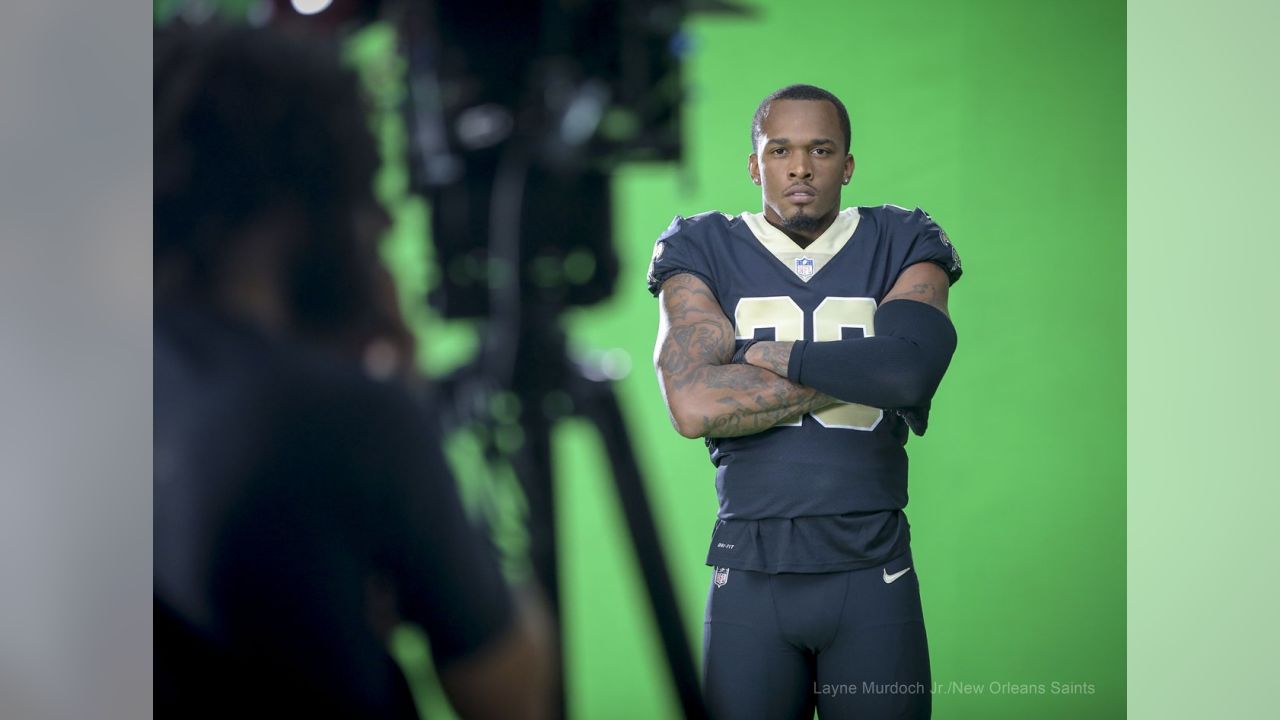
852 644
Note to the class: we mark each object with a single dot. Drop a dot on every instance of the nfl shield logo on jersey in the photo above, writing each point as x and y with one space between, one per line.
721 577
804 266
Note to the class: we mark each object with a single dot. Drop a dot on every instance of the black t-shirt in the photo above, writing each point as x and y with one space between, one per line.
286 482
825 493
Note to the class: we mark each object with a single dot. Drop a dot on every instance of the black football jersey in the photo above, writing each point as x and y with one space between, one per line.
825 492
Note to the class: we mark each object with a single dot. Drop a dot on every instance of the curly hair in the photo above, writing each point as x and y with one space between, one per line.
249 121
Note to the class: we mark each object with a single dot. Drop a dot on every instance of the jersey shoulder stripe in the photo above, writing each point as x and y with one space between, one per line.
696 225
688 245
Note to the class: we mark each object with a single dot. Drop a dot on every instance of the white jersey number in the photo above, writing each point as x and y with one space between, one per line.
784 316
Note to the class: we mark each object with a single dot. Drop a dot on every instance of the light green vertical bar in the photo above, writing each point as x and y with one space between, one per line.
1203 358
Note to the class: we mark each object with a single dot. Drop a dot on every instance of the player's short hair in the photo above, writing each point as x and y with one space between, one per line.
799 92
248 121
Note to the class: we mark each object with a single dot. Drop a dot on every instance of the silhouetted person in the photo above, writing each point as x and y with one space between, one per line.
302 502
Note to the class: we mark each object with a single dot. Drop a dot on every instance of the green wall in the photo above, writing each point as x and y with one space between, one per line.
1005 120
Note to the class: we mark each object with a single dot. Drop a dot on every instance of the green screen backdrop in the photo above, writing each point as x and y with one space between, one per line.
1005 121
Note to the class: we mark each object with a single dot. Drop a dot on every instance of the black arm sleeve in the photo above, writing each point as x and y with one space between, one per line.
899 367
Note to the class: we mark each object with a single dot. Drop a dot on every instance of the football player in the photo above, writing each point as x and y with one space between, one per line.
804 342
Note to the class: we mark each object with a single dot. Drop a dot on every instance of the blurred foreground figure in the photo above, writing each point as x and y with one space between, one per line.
302 503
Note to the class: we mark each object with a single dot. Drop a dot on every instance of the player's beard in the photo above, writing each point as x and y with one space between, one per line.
801 222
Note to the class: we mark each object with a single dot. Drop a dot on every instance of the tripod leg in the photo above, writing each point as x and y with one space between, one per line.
598 403
533 468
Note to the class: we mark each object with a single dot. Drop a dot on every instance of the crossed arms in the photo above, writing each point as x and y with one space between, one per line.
707 396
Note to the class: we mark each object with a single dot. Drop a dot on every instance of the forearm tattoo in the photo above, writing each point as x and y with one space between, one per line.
782 401
730 400
772 356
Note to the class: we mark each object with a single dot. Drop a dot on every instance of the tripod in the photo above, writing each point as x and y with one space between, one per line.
544 373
